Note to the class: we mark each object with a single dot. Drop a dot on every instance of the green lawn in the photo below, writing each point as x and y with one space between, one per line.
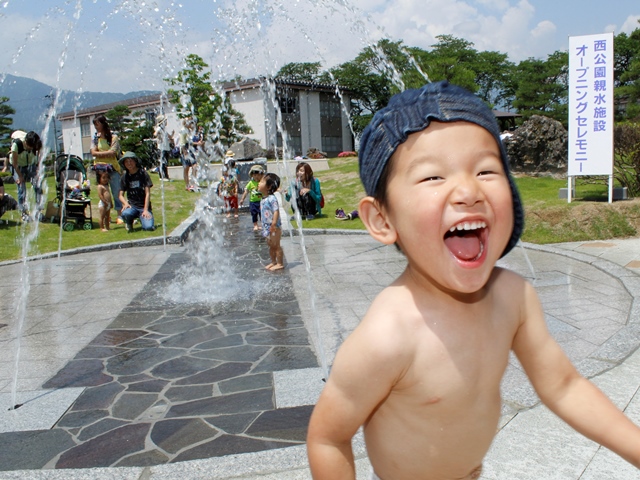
179 205
548 218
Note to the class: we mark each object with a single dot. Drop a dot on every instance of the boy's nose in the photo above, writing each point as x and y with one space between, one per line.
467 191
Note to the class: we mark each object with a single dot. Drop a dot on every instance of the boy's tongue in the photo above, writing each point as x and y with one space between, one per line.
465 246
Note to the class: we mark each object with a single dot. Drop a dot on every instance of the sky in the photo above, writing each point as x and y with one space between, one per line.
128 45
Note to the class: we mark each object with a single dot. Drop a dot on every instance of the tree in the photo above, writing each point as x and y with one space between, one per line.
5 122
301 72
119 119
627 74
540 87
195 96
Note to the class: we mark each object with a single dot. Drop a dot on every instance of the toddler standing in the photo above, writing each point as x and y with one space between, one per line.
256 173
105 203
271 224
228 187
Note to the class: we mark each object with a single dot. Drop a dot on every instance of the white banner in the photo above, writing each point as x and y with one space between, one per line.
591 105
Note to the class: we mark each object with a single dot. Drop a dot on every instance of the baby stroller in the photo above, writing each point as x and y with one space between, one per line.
72 193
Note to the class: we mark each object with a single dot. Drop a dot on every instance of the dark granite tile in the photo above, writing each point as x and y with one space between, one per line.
79 373
140 343
287 358
236 317
140 377
138 361
253 401
181 367
193 337
98 352
199 312
217 374
116 337
282 424
41 445
106 449
283 322
143 459
246 382
99 428
176 434
233 424
181 394
240 326
227 341
81 419
294 336
228 445
180 325
130 405
96 398
243 353
282 308
147 386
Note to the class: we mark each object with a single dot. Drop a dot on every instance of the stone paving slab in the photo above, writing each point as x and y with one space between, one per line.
347 272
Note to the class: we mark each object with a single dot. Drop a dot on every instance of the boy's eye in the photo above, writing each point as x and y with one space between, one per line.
431 179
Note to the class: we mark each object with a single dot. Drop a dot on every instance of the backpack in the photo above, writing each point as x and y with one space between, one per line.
19 143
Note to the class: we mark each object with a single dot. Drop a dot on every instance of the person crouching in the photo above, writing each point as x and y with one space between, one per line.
137 184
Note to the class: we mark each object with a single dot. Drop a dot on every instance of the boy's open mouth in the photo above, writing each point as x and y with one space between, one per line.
466 240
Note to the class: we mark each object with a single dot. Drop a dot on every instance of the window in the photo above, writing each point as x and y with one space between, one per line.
332 144
329 107
288 104
85 127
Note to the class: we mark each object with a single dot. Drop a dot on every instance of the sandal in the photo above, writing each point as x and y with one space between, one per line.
340 215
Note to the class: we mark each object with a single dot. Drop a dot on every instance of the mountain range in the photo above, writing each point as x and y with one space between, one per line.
32 100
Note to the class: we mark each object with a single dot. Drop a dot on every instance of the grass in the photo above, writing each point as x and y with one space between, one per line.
179 205
548 219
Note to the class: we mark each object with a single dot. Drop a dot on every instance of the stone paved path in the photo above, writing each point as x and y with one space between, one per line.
168 382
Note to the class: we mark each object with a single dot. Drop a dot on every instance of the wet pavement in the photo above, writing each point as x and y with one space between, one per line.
119 381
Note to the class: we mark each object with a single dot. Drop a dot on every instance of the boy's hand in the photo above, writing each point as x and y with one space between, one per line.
146 214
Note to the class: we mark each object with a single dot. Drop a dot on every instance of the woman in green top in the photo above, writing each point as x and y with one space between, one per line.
25 150
105 151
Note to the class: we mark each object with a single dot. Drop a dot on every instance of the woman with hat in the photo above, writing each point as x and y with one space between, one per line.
256 173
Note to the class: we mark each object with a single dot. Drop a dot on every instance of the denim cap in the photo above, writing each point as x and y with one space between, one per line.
412 111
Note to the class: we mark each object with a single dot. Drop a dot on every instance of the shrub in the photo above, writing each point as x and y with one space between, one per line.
347 154
626 166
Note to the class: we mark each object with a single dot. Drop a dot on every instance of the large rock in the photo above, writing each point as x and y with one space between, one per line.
247 148
538 145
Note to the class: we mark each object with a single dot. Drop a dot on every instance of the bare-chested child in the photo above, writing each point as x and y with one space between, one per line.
422 371
105 203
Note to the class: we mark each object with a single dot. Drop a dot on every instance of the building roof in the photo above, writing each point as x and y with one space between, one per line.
134 102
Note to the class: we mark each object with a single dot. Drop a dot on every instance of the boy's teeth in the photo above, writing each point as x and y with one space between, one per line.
468 226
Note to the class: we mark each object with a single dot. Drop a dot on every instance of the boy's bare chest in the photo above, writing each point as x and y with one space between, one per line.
454 358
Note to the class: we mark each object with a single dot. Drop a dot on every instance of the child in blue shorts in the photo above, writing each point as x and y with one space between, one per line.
251 188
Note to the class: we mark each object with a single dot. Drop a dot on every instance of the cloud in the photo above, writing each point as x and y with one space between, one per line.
630 24
490 24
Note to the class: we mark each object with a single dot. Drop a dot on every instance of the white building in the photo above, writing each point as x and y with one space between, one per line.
312 115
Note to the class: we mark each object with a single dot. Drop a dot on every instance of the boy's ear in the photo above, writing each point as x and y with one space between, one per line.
375 219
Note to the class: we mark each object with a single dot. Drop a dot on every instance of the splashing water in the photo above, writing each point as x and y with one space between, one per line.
245 37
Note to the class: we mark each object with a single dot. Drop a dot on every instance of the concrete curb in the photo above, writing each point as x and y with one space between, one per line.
177 237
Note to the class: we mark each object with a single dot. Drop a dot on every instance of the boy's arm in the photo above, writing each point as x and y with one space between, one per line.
365 369
569 395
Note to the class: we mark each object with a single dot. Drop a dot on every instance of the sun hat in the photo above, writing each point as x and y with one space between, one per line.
229 153
412 111
129 155
256 169
160 119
